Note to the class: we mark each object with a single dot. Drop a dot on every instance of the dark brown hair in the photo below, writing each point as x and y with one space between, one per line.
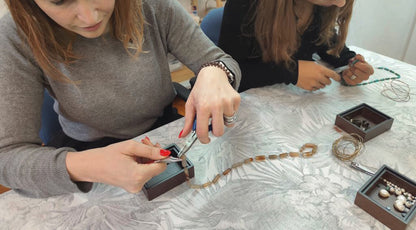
51 44
276 33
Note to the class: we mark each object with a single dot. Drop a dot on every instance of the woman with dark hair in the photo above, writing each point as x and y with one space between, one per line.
105 64
273 41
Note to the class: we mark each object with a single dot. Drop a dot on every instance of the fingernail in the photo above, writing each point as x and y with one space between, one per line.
164 152
180 134
142 140
147 138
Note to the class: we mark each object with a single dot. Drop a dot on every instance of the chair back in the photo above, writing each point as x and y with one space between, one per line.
211 24
50 123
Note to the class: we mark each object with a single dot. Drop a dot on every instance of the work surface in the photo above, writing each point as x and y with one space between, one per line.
291 193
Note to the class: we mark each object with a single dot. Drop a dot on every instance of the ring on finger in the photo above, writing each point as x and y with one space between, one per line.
229 120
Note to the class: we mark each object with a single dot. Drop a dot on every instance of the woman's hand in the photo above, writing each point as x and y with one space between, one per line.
211 97
124 164
358 72
313 76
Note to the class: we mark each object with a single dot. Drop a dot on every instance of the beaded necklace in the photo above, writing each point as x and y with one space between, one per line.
397 90
377 80
259 158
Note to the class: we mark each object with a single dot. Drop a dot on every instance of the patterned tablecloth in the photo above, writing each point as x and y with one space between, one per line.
292 193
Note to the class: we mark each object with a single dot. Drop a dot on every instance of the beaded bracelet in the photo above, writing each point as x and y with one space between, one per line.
223 67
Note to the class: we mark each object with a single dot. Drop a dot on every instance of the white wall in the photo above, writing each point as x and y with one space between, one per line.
385 27
410 56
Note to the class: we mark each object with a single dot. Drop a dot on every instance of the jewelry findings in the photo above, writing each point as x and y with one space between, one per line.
362 124
345 142
404 199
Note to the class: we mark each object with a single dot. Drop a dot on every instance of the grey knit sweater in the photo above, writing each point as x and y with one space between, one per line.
118 96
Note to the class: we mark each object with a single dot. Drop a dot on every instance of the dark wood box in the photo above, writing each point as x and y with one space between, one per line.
173 176
377 122
382 209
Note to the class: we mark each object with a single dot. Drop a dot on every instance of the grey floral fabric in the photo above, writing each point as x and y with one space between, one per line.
292 193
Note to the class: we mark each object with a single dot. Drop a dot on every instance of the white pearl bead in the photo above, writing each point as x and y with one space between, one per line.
383 193
402 198
399 205
408 204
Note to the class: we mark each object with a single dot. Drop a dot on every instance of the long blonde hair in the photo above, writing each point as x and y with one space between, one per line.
51 44
275 29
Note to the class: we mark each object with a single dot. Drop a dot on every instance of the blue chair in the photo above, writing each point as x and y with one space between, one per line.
50 123
211 24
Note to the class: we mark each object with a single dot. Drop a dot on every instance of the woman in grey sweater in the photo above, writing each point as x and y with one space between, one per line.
105 64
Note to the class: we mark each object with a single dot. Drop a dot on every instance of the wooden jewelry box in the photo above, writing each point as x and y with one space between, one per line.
364 120
384 207
173 176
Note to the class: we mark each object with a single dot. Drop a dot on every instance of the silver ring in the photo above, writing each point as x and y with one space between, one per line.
229 120
353 77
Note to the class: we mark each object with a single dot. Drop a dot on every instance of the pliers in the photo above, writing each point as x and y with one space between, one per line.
191 139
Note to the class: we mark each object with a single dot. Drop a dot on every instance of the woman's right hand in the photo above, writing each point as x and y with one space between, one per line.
121 164
312 76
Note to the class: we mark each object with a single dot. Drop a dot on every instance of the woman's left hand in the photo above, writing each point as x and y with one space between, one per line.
211 97
358 72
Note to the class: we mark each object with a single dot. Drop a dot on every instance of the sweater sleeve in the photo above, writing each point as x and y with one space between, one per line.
186 41
237 39
343 59
25 166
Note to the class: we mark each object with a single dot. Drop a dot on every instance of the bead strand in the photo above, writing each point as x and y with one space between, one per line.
259 158
377 80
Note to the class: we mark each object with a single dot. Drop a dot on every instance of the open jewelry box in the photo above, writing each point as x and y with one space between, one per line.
364 120
382 207
173 176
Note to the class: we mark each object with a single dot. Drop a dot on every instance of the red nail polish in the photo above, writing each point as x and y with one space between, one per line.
180 134
164 152
147 138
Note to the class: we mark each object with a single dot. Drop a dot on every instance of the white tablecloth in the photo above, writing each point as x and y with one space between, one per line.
314 193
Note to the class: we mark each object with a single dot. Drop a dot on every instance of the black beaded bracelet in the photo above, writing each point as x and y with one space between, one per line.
221 65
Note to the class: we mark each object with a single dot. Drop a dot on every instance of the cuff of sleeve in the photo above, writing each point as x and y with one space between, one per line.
84 186
294 76
65 182
233 67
